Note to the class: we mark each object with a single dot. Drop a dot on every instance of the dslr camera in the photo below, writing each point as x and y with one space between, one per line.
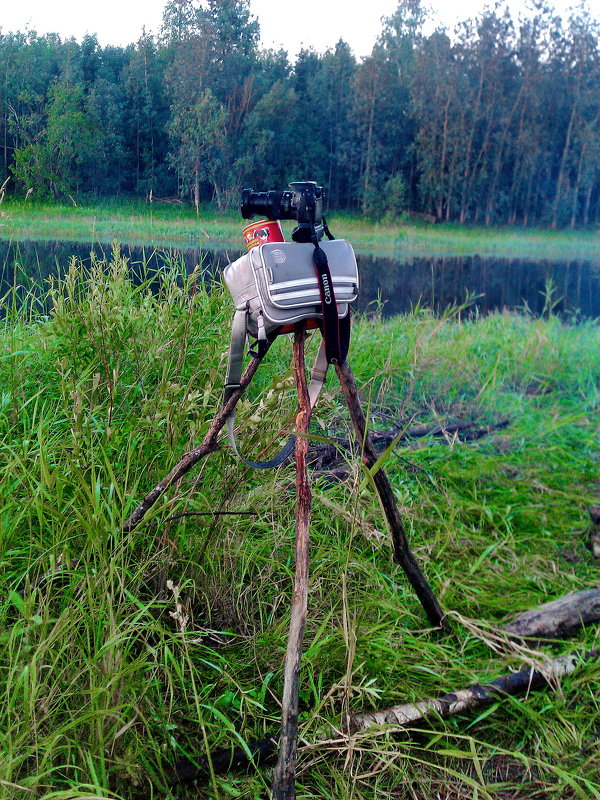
304 203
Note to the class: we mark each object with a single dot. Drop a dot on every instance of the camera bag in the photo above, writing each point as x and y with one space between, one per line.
276 285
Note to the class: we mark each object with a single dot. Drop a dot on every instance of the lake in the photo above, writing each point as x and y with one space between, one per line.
436 282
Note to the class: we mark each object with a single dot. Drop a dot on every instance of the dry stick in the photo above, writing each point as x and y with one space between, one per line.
558 618
208 445
402 551
402 716
474 696
284 775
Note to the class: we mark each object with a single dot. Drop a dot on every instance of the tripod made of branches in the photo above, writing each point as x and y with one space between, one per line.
285 771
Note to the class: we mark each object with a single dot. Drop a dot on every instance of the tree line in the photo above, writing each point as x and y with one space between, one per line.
495 122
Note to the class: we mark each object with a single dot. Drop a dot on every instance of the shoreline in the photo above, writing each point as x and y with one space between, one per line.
139 224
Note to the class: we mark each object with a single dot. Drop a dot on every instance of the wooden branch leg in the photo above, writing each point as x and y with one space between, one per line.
402 552
284 775
208 445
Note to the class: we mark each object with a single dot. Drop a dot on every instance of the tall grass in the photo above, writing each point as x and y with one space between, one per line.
123 652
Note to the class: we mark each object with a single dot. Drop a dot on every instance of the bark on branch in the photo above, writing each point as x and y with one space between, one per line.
284 776
474 696
559 618
402 552
190 459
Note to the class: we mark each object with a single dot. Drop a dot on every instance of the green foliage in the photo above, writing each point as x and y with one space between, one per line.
386 199
494 123
121 652
198 132
53 165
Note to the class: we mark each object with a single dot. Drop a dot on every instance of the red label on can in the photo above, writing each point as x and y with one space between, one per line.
266 230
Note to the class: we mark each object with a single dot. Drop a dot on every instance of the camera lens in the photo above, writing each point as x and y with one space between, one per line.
271 204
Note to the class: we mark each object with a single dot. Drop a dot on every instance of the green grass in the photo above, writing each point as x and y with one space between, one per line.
160 225
121 652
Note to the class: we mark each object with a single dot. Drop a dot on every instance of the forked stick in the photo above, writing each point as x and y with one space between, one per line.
284 775
402 551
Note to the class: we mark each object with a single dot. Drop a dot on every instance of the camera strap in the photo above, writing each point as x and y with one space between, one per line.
335 336
234 375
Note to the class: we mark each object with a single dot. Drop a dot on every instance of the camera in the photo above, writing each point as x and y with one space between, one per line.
304 203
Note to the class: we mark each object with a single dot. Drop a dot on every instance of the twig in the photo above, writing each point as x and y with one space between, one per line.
212 514
284 775
208 445
474 696
402 551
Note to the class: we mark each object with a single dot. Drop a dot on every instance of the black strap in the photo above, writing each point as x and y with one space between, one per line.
344 323
345 335
331 322
286 451
328 233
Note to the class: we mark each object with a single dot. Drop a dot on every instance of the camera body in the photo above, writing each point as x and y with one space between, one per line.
304 203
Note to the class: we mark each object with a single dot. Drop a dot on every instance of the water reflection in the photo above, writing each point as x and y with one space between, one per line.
439 282
436 282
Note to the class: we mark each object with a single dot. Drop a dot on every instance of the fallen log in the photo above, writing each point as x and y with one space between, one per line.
474 696
401 716
557 619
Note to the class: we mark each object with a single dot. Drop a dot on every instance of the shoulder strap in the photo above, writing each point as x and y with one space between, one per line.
236 353
330 323
234 373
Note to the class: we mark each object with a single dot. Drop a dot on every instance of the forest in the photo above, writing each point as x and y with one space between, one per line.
494 123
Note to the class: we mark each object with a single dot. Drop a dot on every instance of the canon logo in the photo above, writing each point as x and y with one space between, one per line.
326 289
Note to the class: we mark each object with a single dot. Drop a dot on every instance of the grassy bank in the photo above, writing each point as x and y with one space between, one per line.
160 225
123 652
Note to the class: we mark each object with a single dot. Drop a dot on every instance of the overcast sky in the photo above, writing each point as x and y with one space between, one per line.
316 23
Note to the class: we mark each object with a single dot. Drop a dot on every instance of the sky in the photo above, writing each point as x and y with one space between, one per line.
316 23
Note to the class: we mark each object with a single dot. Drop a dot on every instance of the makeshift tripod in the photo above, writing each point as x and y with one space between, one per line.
284 773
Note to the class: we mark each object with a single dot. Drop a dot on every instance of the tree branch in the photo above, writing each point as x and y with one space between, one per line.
284 775
402 551
558 618
208 445
474 696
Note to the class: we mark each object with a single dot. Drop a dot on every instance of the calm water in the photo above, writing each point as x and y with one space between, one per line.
436 282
